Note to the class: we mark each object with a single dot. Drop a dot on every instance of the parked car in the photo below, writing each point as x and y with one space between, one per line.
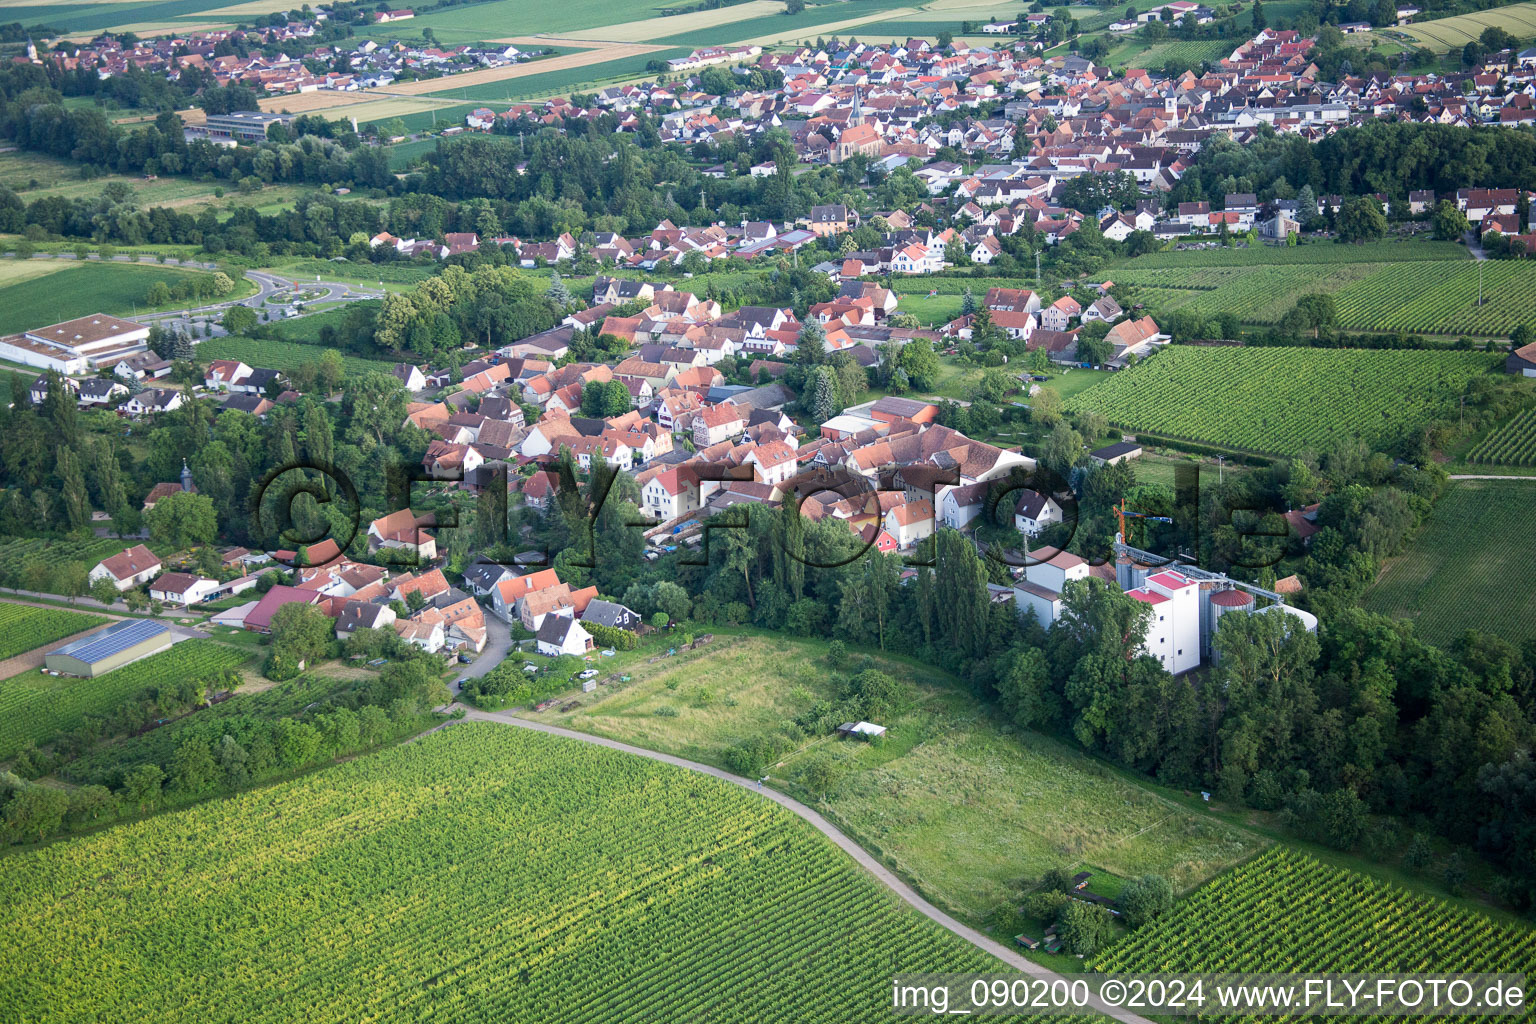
588 674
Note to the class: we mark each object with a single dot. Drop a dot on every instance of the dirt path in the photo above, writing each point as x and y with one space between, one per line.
826 828
1488 476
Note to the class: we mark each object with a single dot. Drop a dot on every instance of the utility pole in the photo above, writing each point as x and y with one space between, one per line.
1037 269
1221 461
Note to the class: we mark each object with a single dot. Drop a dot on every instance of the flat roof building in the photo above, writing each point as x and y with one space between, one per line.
78 345
243 125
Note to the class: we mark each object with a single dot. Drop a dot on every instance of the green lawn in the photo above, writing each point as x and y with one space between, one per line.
73 291
500 18
1466 570
278 355
36 176
963 806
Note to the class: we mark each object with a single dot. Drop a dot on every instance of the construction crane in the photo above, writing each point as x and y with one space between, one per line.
1121 512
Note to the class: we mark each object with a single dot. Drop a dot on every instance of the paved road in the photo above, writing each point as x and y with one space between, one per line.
498 641
826 828
1488 476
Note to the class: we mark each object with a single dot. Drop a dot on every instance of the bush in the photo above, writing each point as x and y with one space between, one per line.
611 636
1146 899
819 775
751 757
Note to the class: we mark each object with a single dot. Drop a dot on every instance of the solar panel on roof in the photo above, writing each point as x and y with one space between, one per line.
114 639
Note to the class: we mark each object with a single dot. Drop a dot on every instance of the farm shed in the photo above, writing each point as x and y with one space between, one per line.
108 648
867 730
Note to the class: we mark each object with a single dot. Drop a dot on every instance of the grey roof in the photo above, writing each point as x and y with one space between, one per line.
609 613
113 639
1112 451
555 628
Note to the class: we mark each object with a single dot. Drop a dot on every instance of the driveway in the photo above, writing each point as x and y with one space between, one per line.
826 828
498 641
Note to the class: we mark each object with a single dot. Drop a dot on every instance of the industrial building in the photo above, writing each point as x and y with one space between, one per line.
242 125
110 647
1186 602
76 346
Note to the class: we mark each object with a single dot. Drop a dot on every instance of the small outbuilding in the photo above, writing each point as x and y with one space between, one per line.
864 730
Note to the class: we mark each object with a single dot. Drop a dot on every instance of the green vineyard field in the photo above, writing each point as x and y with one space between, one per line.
1434 298
26 629
1284 911
1283 400
1513 444
1466 568
17 556
483 873
1304 255
35 707
1257 295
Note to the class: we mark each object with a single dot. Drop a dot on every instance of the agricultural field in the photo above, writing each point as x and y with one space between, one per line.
1284 400
556 75
80 290
1466 569
507 18
1256 294
1192 52
1311 254
1427 298
1445 34
35 707
480 873
1513 444
642 31
29 563
23 628
286 356
961 805
1285 911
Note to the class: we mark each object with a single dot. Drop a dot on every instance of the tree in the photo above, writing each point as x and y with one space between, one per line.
558 293
1024 686
1450 223
819 775
1317 311
602 399
36 812
1045 407
141 785
193 769
1361 220
1145 899
103 589
1259 20
182 520
822 404
1084 928
1063 448
239 319
301 631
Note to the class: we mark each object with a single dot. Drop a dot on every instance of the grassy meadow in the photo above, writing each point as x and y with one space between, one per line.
966 808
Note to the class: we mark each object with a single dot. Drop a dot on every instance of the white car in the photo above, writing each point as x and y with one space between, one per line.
588 674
